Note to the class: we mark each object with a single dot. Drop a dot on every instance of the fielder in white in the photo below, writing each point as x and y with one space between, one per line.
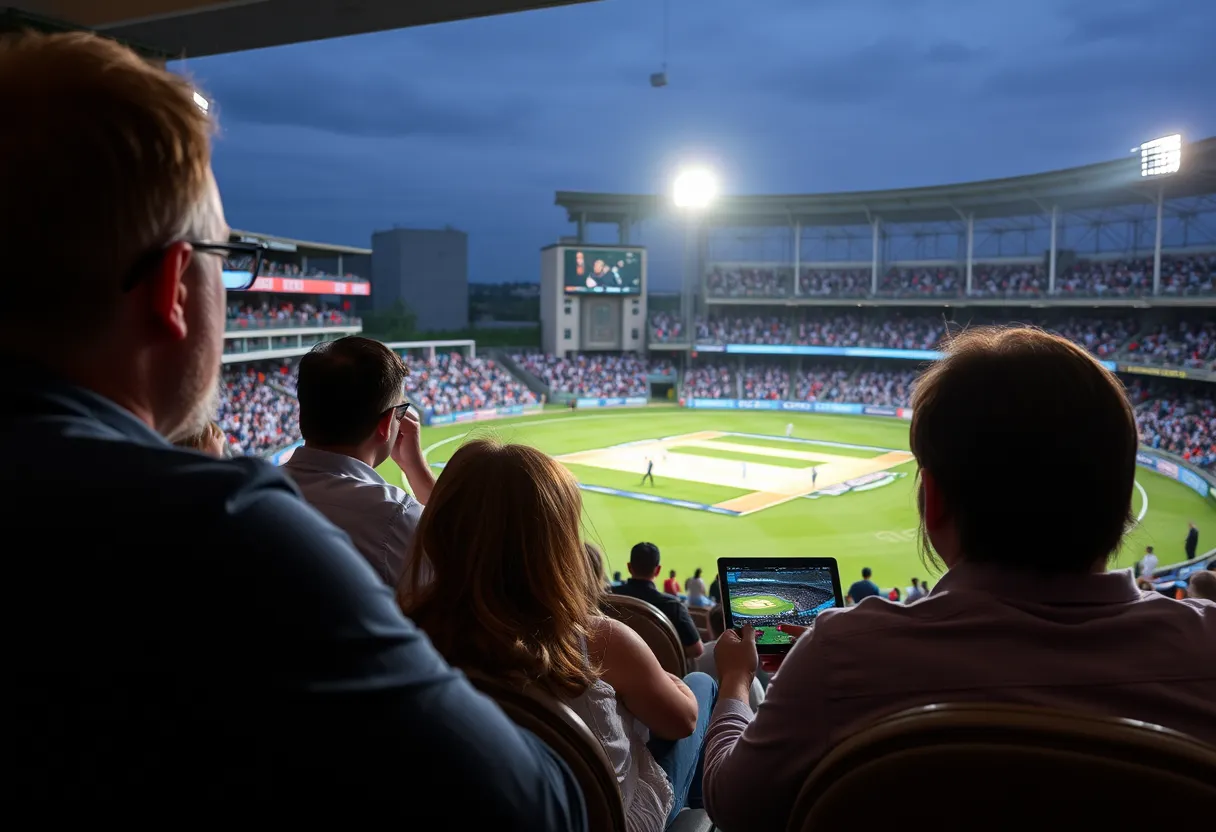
789 430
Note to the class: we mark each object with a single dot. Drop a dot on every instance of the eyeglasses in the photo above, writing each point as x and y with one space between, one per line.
242 263
400 410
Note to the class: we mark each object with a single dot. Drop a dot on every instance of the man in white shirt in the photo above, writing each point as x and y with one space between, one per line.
1148 563
354 416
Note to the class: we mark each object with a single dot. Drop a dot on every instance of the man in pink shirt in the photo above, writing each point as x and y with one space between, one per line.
1026 447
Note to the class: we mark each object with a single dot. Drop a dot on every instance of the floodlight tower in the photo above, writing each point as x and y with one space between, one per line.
693 193
1160 158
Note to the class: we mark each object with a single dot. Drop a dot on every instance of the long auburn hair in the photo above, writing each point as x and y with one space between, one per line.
499 579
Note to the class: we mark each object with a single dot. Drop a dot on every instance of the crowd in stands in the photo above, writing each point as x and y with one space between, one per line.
918 332
710 382
595 375
258 410
1178 419
284 313
274 268
1185 344
1180 275
820 383
666 328
452 383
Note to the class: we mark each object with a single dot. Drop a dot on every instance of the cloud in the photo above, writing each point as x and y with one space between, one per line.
376 104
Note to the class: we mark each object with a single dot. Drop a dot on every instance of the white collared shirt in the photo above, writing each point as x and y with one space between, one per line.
379 518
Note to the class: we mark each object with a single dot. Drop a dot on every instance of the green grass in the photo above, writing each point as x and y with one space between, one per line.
739 456
775 605
697 492
875 528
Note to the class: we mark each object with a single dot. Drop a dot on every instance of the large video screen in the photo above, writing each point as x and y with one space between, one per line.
607 271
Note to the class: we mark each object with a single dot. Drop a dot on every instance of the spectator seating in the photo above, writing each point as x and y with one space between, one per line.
666 328
258 410
710 382
594 375
273 268
1180 420
1181 275
284 314
1115 773
653 626
1190 344
451 383
556 725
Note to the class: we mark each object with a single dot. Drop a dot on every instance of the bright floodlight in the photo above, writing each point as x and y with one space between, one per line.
695 188
1161 156
202 102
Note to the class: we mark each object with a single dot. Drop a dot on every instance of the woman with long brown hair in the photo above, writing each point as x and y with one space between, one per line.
502 584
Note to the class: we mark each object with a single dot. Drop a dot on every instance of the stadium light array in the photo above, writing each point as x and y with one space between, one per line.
695 188
202 102
1161 156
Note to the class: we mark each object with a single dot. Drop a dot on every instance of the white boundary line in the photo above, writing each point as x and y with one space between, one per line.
1143 501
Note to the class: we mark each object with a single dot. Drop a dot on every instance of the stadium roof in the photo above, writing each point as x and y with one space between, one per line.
302 246
1103 185
181 28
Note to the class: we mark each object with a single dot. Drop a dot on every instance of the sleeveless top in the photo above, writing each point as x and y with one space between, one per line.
645 790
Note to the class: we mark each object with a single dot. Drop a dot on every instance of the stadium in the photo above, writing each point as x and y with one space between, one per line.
244 588
773 412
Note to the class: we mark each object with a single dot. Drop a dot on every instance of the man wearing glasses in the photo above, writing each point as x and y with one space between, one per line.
353 417
180 627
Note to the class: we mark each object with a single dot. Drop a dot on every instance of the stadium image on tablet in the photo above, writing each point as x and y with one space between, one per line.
767 592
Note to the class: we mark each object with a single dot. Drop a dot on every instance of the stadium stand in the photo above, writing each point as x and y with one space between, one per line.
451 382
285 314
1181 275
891 331
1180 419
272 268
1185 344
258 410
595 375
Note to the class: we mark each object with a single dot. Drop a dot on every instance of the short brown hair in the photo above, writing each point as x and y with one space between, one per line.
344 387
103 159
1203 585
510 589
1032 444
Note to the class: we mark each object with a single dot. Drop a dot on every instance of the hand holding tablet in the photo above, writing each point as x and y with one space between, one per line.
779 597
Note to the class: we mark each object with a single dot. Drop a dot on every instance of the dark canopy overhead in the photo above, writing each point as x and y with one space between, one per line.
180 28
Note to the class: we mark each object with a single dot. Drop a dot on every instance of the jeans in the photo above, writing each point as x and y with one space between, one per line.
681 760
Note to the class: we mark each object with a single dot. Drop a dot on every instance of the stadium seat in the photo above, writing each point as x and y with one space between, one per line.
700 617
560 728
653 626
1013 766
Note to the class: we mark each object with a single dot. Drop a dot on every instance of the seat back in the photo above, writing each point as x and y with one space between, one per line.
653 626
557 726
700 617
1005 765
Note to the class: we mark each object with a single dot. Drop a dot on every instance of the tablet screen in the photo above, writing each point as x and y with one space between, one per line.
767 595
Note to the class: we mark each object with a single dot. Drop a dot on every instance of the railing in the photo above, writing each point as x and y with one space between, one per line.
253 325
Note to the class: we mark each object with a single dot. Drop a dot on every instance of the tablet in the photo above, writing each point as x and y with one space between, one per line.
766 592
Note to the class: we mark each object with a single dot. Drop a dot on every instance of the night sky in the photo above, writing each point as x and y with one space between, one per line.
476 124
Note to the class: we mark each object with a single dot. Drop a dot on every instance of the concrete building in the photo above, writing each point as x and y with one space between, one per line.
428 271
